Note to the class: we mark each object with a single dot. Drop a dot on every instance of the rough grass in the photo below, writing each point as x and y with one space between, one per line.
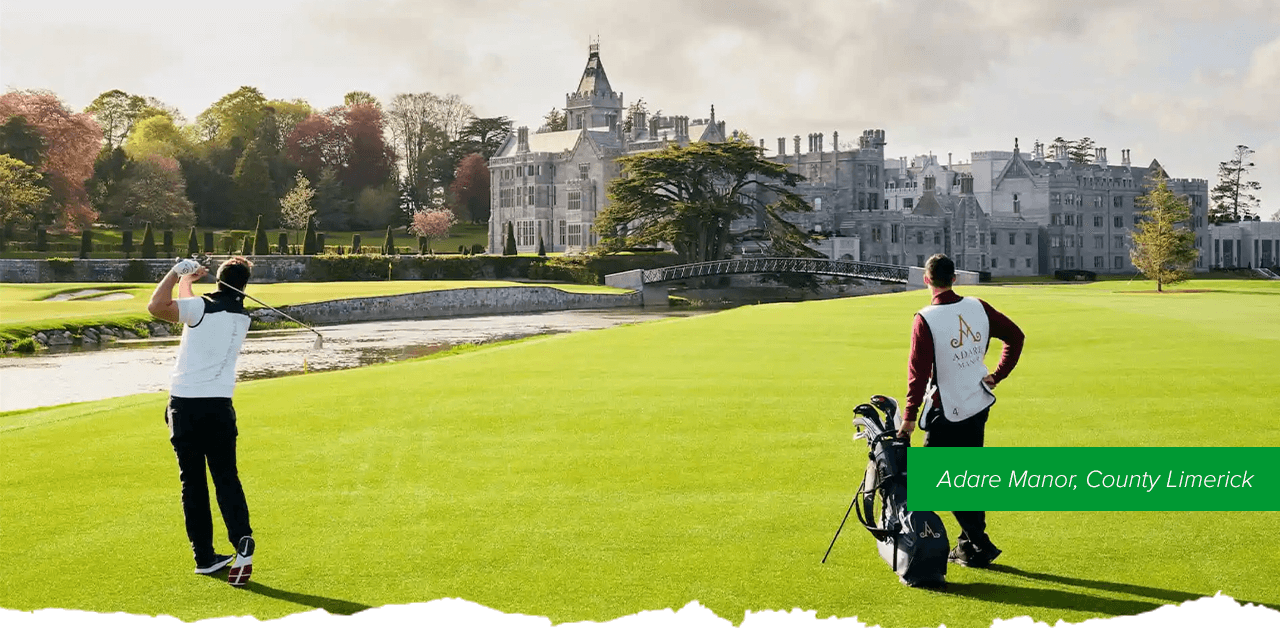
593 475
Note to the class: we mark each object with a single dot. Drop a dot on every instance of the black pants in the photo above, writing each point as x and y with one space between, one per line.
966 433
203 430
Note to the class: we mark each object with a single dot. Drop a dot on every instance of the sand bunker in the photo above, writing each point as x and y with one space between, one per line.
90 294
67 296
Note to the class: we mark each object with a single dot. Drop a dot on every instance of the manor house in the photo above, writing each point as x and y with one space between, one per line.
551 184
1003 212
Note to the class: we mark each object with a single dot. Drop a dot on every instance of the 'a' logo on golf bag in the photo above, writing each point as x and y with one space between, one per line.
928 532
965 330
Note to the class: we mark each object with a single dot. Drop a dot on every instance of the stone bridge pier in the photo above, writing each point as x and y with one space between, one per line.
915 278
651 295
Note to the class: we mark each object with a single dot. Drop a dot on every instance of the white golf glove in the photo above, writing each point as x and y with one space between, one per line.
185 267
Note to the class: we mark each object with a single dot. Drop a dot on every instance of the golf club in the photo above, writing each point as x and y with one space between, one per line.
203 260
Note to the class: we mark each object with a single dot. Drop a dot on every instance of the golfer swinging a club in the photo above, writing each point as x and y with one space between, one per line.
201 419
948 343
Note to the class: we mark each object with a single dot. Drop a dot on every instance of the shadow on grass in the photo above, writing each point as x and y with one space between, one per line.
1055 598
1116 587
333 606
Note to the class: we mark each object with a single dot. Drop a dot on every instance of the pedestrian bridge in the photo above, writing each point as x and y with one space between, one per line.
648 281
778 265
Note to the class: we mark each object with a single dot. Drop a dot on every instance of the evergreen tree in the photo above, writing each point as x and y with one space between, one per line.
260 244
1232 198
126 242
254 191
1163 246
148 243
509 244
542 250
1081 151
389 245
193 245
246 247
309 240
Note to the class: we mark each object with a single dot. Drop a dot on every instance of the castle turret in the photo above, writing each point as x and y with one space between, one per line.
594 104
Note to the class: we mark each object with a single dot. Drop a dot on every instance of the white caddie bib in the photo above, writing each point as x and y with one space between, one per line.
960 338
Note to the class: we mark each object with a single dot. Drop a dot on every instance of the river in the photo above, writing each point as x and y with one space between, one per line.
130 367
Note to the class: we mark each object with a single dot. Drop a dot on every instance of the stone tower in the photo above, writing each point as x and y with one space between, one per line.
594 104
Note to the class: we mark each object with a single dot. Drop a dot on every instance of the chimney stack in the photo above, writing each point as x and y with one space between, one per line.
797 139
782 146
1124 157
821 147
1100 156
522 139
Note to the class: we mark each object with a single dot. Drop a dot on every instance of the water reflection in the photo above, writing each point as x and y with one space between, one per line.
131 367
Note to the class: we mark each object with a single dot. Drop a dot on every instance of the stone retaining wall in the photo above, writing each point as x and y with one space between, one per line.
457 302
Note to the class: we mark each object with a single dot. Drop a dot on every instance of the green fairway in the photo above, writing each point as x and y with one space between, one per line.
24 308
593 475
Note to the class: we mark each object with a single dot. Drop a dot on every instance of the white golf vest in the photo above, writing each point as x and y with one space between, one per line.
960 338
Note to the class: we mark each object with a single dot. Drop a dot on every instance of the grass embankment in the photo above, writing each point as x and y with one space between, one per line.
24 308
593 475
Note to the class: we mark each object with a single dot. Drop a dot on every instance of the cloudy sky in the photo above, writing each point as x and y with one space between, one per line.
1182 81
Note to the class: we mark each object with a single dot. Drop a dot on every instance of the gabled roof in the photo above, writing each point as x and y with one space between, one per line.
554 142
928 205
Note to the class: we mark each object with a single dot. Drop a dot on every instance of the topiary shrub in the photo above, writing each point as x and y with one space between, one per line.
126 242
246 246
208 242
422 245
389 245
148 243
282 243
193 244
477 249
261 245
319 242
310 241
509 244
542 249
168 242
42 240
86 243
355 244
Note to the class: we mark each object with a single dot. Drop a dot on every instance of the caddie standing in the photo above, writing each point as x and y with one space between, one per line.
949 388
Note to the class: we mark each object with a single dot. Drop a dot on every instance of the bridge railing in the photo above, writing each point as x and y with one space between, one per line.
802 265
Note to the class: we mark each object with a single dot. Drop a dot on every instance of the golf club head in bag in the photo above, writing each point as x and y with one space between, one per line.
204 260
889 406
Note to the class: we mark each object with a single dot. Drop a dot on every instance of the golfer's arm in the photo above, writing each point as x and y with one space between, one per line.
162 304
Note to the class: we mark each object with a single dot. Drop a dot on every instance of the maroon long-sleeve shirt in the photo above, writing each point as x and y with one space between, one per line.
920 370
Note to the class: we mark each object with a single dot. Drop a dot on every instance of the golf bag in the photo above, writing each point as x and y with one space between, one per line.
914 543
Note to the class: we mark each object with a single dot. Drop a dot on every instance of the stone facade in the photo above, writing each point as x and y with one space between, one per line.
552 184
457 302
857 195
1245 244
1002 212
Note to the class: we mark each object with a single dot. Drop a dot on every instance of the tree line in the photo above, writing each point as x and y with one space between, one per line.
129 160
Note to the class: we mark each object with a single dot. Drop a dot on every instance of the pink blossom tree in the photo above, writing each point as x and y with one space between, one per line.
432 224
